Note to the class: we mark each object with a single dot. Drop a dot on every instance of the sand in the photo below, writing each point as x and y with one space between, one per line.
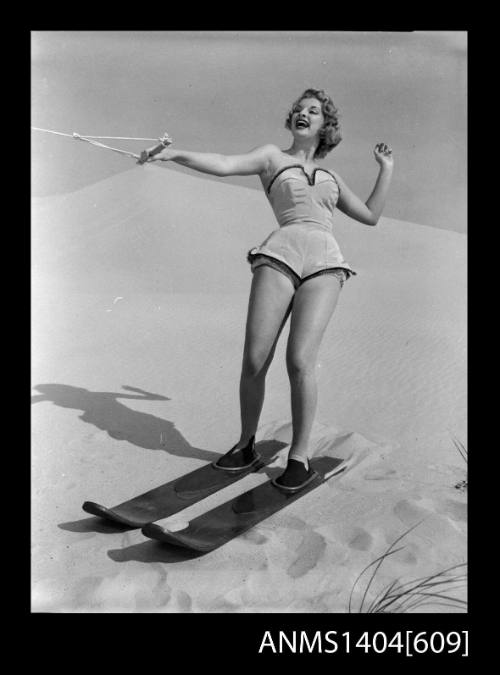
140 289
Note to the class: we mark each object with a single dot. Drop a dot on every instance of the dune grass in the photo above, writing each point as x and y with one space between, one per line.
436 589
462 450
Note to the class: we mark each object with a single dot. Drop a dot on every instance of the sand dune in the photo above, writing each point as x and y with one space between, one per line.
140 286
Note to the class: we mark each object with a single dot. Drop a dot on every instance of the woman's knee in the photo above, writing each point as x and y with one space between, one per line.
256 364
300 364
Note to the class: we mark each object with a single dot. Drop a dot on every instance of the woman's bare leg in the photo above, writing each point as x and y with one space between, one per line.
313 306
269 305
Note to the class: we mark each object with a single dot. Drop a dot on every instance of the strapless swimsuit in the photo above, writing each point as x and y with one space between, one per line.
304 245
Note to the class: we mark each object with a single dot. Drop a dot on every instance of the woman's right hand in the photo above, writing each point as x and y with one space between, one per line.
149 155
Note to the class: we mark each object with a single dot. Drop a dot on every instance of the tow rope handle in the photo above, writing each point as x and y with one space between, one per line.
164 141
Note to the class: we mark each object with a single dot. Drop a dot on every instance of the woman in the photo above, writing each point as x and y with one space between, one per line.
298 270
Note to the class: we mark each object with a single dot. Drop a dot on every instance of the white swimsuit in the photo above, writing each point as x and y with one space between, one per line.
304 210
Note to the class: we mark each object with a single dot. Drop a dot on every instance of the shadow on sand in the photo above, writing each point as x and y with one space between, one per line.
103 410
153 552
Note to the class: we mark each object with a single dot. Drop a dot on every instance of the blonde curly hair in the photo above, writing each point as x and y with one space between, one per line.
330 132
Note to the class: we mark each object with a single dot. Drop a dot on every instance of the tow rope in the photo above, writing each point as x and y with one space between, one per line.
165 140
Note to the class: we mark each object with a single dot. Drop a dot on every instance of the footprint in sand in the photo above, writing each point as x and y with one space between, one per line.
309 553
432 522
361 540
91 438
380 474
410 552
86 591
410 558
255 537
434 525
409 513
455 510
184 601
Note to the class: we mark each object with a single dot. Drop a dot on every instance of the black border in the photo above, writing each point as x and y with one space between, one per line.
217 640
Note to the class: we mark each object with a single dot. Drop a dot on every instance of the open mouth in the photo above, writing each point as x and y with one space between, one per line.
301 124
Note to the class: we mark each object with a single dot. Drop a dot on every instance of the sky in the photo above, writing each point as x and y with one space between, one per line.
230 91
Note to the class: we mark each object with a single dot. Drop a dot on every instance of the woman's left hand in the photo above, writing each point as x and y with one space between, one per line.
383 155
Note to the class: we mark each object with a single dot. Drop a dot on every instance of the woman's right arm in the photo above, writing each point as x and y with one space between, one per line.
254 162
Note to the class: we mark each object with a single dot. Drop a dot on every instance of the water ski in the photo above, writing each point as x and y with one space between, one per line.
231 519
178 494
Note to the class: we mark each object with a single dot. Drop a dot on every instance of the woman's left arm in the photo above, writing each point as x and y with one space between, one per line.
370 211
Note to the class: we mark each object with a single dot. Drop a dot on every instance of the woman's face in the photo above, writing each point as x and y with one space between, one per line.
307 118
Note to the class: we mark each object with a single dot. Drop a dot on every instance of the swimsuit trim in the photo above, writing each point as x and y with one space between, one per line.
310 179
251 256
